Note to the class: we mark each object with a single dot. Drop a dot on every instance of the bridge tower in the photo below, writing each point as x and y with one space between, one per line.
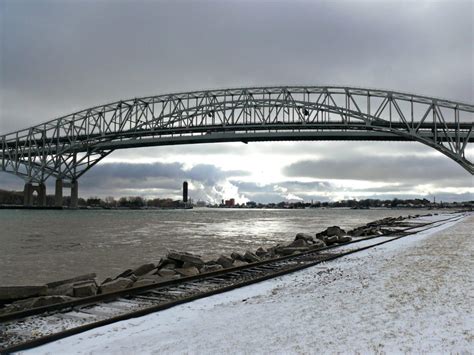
28 192
58 195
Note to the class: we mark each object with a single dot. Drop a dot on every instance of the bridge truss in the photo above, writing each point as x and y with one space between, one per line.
66 147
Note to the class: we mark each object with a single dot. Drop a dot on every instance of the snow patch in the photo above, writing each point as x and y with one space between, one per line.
411 295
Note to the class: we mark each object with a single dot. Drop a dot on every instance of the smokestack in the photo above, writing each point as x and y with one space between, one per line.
185 191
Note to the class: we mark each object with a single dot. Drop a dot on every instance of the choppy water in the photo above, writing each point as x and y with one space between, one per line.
42 246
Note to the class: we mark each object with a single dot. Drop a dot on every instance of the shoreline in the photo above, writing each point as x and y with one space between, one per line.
44 246
177 264
394 298
99 208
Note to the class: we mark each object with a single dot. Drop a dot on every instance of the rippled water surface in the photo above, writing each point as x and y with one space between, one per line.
46 245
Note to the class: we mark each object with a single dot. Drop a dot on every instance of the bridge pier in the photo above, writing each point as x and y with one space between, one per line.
28 192
28 195
41 195
58 193
74 194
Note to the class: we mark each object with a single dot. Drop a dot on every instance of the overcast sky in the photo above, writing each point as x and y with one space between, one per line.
57 57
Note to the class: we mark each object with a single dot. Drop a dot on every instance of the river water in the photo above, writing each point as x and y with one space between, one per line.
39 246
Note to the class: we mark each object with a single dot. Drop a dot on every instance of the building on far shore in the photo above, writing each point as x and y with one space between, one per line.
185 192
230 203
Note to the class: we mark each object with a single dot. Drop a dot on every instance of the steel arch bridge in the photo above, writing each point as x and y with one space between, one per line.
66 147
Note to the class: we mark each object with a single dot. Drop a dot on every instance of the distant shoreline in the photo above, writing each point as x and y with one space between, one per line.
92 208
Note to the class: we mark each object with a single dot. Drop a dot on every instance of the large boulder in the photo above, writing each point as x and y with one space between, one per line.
270 253
260 252
224 261
144 282
321 235
169 264
239 263
331 240
107 280
298 243
366 231
334 235
186 258
335 230
132 277
115 285
150 280
317 244
251 257
10 293
344 239
356 232
186 265
85 289
85 277
306 237
237 256
168 273
61 290
35 303
124 274
188 271
144 269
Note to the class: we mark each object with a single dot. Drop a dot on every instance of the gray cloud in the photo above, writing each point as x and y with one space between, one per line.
285 191
209 183
58 57
322 191
439 171
322 148
163 179
168 176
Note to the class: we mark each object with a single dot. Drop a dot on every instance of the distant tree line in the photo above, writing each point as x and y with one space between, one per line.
131 202
359 204
16 198
11 197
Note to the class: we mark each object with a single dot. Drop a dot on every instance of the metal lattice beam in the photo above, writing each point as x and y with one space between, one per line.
67 147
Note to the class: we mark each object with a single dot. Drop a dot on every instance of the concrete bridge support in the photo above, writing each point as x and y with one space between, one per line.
74 194
41 195
28 192
58 196
58 193
28 195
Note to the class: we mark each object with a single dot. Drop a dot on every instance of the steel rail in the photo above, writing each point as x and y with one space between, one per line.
254 269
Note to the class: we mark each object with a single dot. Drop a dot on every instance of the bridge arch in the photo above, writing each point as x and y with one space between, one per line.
66 147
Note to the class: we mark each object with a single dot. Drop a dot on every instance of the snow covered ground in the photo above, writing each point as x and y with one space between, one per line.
412 295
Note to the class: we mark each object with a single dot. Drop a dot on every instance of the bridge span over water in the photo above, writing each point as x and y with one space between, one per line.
67 147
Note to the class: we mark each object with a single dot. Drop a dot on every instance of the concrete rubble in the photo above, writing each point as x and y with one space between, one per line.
116 285
85 289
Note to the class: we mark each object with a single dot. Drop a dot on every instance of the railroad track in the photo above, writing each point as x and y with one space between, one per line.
34 327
